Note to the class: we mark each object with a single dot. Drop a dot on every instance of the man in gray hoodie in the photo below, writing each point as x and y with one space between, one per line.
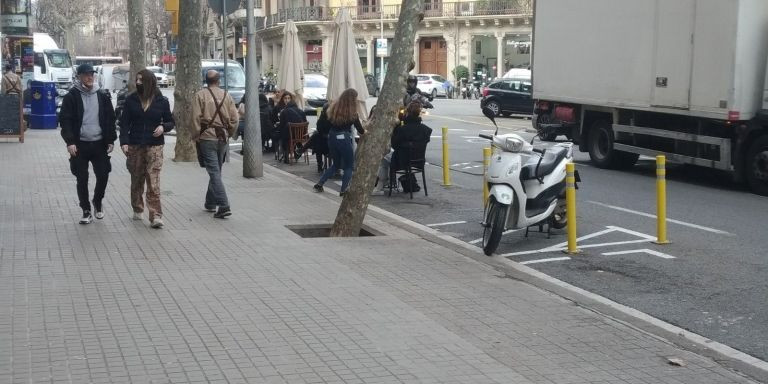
87 122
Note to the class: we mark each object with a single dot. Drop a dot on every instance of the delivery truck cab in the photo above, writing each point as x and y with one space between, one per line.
681 78
51 63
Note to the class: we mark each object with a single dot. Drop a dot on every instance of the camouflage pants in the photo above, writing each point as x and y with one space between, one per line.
144 163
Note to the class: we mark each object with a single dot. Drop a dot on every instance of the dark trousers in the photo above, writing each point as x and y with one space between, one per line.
94 152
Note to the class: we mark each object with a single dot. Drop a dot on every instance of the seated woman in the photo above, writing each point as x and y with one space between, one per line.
290 114
409 142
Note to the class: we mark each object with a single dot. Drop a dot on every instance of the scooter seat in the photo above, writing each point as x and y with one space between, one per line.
552 157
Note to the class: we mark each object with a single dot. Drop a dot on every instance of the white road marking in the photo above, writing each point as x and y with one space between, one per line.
648 251
545 260
683 223
446 223
562 246
476 123
457 129
475 241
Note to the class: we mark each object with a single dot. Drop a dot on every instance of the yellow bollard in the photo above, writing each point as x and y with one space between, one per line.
446 159
319 111
661 200
570 206
487 152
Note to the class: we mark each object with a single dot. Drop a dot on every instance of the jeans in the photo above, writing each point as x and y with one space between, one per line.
144 163
214 153
342 152
384 171
94 152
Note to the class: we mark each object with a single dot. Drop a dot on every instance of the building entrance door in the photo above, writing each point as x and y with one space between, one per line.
433 56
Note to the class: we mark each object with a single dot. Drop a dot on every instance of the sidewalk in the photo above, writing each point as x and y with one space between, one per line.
245 300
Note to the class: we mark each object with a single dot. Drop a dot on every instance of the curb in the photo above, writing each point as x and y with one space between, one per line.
689 341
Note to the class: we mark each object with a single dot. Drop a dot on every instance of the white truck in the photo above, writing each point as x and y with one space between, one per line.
52 63
683 78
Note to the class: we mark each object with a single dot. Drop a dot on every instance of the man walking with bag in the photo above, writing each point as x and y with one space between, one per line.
216 119
88 127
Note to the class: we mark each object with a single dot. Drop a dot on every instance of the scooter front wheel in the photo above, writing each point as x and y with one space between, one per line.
497 214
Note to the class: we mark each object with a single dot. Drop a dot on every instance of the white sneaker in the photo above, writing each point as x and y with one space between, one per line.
157 223
98 210
86 218
136 216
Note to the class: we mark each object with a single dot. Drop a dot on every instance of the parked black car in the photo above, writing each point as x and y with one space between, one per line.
373 85
508 96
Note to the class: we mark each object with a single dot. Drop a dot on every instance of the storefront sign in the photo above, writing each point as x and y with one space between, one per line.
382 48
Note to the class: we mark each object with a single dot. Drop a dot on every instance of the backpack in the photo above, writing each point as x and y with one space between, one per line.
413 186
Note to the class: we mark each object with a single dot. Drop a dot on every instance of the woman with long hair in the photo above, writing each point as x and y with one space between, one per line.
290 113
339 119
145 119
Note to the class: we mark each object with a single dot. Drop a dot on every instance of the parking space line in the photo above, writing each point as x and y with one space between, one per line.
545 260
683 223
446 223
648 251
475 241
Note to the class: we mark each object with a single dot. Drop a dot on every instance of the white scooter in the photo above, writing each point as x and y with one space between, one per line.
526 184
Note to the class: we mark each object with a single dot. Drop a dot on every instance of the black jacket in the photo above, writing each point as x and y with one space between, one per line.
290 114
137 126
412 137
71 117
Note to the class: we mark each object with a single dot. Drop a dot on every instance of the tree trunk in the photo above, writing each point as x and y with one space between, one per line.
349 219
136 54
188 79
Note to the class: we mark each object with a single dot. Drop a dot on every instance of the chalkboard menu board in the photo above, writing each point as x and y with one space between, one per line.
10 117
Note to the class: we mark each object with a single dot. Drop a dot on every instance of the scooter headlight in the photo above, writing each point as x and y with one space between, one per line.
513 144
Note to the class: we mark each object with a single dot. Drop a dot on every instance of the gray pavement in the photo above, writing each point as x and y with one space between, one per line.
245 300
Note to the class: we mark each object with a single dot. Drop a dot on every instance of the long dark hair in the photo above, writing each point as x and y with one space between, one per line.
344 110
149 81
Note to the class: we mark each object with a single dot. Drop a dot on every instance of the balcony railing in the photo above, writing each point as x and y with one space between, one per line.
389 12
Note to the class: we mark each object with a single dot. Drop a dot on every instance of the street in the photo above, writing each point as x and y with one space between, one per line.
710 279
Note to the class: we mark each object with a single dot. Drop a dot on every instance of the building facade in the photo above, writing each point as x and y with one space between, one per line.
488 37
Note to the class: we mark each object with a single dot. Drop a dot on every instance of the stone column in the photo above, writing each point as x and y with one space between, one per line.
277 54
416 48
266 56
371 54
450 43
500 54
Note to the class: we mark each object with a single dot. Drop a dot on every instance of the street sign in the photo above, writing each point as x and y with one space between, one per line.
218 5
381 48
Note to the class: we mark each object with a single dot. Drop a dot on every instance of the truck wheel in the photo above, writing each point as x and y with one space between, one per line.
601 152
757 166
545 134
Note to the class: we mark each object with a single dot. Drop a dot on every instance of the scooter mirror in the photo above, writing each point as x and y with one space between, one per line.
489 114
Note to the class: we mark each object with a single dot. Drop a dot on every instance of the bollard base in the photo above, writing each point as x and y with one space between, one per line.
662 242
575 252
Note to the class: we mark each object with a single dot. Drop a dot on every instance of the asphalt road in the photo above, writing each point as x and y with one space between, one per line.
710 280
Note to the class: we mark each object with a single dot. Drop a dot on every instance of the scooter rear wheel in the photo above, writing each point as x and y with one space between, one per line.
497 214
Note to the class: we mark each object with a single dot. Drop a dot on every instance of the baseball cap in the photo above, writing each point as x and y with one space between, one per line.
85 68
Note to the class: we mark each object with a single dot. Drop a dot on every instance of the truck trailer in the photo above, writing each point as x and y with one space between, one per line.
682 78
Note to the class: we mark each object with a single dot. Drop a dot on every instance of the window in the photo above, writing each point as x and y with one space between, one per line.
428 44
478 47
504 85
422 78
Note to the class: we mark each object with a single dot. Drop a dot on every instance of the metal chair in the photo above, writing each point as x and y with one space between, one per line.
413 166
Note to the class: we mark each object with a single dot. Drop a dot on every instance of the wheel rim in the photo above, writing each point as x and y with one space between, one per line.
760 165
494 107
